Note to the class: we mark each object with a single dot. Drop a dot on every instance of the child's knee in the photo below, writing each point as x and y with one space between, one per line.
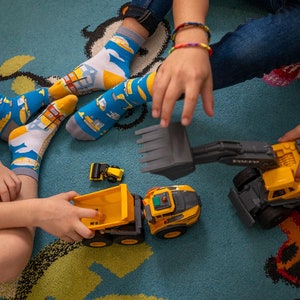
10 275
16 248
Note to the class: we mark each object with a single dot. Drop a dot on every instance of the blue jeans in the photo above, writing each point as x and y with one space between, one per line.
258 47
254 48
149 12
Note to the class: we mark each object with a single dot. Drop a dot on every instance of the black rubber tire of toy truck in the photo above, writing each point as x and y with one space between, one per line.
244 177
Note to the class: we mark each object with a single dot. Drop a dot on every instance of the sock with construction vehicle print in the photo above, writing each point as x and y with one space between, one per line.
15 112
94 119
28 143
106 69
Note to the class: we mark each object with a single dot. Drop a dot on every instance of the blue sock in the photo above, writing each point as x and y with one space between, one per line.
94 119
28 143
16 111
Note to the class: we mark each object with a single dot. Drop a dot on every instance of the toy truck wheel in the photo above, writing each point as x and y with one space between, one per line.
171 232
111 179
244 177
272 216
95 171
99 240
129 239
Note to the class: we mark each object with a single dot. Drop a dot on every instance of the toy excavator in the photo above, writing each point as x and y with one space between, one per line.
264 192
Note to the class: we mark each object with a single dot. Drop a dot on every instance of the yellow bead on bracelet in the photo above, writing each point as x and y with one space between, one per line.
187 45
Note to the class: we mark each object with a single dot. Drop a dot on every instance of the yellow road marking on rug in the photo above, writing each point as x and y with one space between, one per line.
70 276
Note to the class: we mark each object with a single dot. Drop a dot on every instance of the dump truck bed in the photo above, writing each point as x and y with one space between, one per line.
116 203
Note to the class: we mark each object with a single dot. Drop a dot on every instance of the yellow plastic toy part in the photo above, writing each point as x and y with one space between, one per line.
116 203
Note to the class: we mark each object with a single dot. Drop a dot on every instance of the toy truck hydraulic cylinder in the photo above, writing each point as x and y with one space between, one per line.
245 153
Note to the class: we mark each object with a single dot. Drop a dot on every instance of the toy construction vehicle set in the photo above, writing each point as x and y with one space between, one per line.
264 192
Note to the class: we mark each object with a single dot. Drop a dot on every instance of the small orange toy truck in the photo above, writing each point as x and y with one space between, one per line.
168 210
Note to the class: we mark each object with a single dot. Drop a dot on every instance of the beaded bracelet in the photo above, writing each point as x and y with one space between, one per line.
186 45
189 25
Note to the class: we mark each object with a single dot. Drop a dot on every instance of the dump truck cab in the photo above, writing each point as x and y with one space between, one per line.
268 196
170 210
280 182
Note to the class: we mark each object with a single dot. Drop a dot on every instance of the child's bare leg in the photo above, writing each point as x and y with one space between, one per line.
28 144
16 243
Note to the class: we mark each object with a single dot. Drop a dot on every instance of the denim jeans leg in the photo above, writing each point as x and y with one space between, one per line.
271 5
149 12
257 47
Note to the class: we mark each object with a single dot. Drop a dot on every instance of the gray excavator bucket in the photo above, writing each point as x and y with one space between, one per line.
166 151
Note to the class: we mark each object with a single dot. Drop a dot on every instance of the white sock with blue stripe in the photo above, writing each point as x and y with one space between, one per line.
106 69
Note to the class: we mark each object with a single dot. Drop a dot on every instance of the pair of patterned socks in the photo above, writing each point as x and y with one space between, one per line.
28 143
106 69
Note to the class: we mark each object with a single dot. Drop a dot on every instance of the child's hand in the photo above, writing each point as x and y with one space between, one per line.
10 184
178 75
291 136
59 217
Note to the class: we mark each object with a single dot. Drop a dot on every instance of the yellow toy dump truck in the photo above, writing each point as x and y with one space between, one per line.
123 222
168 210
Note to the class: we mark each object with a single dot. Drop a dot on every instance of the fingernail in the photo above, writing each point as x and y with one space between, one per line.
163 123
100 216
155 113
185 121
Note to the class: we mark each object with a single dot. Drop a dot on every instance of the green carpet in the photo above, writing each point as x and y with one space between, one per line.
218 258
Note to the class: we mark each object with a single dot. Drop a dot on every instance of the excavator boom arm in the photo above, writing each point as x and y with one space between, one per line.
237 153
167 152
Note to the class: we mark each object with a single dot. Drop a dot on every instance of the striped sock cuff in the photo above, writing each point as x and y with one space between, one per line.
27 172
131 35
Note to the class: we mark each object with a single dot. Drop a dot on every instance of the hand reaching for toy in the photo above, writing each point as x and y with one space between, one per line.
10 184
291 136
185 71
59 217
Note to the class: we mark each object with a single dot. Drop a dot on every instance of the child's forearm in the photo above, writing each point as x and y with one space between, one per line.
18 213
194 11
